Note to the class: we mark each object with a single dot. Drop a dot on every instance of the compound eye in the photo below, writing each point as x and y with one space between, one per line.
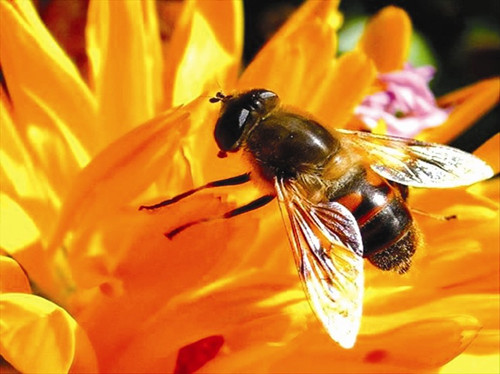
231 126
239 114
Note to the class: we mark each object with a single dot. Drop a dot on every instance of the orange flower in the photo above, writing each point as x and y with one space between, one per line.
111 294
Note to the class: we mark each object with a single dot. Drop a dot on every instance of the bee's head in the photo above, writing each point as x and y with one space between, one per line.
239 114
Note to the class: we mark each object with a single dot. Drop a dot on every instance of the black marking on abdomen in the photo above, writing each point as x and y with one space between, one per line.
384 220
385 227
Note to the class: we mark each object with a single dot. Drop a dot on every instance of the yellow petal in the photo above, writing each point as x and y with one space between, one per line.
488 191
468 104
51 83
26 184
19 230
205 50
297 58
43 125
39 336
13 278
123 44
468 363
386 39
37 162
46 273
343 89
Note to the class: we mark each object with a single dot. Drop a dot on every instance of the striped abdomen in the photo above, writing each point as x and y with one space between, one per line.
387 228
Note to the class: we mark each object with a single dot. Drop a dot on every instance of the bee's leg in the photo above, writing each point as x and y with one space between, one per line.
404 192
256 204
239 179
431 215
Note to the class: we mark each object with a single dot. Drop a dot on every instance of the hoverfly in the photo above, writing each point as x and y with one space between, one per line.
342 195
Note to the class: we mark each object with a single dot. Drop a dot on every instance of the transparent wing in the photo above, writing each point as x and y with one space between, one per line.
419 164
327 248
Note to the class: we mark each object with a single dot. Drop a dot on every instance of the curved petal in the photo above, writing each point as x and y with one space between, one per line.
386 39
489 152
488 191
226 21
125 168
205 50
433 342
39 336
51 84
482 308
191 316
468 104
123 44
297 58
28 190
342 89
13 278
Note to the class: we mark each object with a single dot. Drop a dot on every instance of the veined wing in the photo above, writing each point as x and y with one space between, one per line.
327 248
416 163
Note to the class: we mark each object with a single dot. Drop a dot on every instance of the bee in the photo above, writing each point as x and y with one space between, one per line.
342 194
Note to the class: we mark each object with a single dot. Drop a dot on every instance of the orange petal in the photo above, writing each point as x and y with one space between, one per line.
488 191
343 89
219 308
490 152
226 21
45 273
433 342
44 124
20 171
386 39
13 278
112 279
126 168
41 78
27 192
35 173
205 50
123 44
39 336
295 61
468 105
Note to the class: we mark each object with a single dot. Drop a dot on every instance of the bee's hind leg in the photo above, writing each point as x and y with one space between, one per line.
404 192
255 204
435 216
239 179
